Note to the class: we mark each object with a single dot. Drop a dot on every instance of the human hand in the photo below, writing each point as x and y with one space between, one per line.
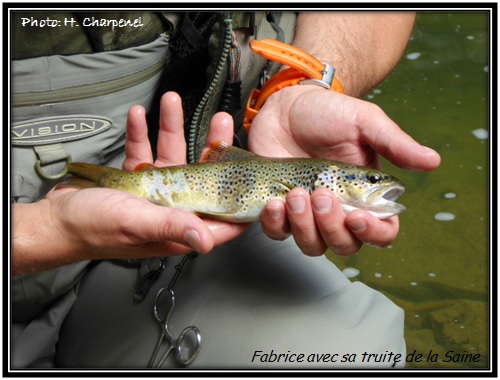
306 121
113 224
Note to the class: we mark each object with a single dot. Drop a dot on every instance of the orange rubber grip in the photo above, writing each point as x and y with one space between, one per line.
302 66
288 55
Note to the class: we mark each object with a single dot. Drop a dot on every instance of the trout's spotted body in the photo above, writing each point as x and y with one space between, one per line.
234 185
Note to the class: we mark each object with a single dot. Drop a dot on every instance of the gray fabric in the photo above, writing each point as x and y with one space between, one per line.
40 303
56 72
251 295
34 343
31 293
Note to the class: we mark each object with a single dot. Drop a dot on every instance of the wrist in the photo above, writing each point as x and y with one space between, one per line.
38 242
303 69
364 47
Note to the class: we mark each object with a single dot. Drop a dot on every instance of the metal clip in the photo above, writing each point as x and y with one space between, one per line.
150 271
326 81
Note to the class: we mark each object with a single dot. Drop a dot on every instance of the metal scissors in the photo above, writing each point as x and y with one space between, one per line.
179 344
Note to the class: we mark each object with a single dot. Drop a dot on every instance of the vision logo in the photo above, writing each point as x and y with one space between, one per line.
58 129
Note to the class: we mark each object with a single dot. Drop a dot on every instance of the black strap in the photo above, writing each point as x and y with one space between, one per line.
192 34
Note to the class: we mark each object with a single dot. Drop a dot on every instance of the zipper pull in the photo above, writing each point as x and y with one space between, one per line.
150 271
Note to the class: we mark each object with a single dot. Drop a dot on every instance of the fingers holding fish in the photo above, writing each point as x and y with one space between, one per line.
371 230
318 222
224 232
330 221
274 221
302 223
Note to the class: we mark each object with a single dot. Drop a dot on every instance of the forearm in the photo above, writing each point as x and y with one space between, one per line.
37 244
72 225
363 47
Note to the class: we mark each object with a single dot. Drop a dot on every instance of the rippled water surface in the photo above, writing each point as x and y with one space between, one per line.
438 268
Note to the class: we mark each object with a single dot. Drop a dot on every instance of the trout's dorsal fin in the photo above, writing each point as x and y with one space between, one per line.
144 166
220 151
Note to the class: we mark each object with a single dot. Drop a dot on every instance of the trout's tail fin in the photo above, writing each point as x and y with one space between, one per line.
85 175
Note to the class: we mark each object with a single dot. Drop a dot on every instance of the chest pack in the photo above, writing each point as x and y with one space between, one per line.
73 107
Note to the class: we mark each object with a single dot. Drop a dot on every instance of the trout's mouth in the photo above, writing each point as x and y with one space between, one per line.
381 201
392 194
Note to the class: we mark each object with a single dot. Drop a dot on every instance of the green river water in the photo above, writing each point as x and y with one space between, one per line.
439 271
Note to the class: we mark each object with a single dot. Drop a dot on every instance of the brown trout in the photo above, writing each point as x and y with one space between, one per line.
232 184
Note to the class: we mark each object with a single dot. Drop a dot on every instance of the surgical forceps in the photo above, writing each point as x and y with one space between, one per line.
179 343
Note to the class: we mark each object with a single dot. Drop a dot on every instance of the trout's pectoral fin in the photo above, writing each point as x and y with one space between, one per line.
223 216
281 187
77 183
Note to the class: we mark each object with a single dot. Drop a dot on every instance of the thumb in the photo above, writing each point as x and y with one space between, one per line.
163 224
387 139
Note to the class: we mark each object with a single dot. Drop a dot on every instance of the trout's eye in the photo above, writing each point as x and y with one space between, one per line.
374 177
